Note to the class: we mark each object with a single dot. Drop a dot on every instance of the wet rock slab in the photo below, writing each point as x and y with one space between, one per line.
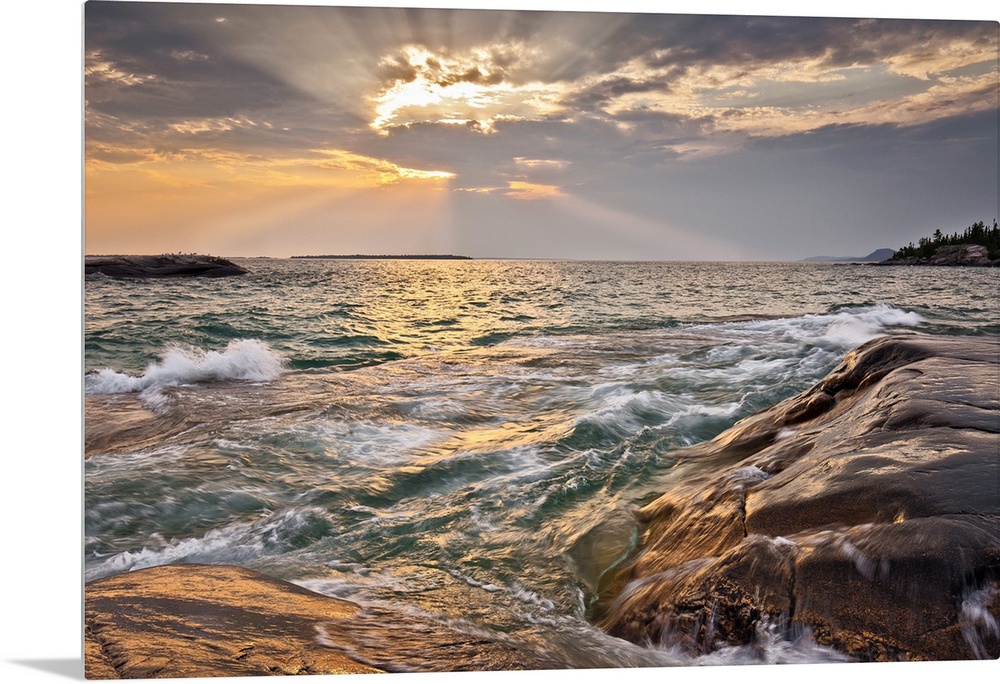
219 620
162 266
196 621
865 511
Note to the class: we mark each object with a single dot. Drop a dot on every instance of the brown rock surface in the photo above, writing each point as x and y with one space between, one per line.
217 620
865 511
197 621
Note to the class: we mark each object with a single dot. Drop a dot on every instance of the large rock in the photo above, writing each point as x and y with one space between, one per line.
162 266
865 511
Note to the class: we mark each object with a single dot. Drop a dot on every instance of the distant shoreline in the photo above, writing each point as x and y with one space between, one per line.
382 256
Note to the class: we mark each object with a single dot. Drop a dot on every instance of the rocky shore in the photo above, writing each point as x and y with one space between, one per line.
864 512
947 255
162 266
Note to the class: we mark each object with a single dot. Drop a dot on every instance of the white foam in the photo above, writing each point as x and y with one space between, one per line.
251 360
850 328
621 406
774 645
867 566
373 443
844 329
976 620
747 475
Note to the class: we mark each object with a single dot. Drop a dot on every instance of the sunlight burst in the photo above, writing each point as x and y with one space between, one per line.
471 89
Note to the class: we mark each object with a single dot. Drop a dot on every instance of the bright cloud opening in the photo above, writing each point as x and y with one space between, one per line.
469 88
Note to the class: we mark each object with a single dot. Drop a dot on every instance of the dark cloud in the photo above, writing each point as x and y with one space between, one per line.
444 70
600 94
397 68
685 41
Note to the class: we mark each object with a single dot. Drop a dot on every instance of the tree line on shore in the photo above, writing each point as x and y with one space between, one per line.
976 234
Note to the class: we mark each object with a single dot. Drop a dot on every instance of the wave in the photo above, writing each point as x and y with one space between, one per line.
844 328
852 327
251 360
238 543
695 380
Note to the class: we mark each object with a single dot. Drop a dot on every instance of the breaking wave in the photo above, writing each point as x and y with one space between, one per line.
251 360
239 543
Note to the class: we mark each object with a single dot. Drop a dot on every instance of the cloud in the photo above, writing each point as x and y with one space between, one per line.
541 163
98 69
927 60
522 190
205 165
174 67
516 189
384 172
762 97
219 124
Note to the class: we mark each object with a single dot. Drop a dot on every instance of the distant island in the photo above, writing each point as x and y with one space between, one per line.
877 255
382 256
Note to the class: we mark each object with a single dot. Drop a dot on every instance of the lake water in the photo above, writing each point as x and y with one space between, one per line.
447 438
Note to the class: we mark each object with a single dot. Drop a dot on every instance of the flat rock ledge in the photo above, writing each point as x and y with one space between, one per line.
197 621
224 621
864 513
162 266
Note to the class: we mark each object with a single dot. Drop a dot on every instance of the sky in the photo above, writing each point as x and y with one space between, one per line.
249 130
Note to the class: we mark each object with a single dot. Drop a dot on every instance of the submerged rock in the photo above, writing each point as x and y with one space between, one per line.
865 511
162 266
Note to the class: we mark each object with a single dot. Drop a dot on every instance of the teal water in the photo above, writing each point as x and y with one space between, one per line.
449 437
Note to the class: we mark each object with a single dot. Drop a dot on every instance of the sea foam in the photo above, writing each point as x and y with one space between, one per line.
851 328
251 360
843 329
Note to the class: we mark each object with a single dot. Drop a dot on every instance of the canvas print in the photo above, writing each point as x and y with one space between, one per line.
464 339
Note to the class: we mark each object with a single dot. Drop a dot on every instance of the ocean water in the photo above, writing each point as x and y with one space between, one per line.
458 441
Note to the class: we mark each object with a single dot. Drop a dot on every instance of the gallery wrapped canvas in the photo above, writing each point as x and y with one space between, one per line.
438 340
